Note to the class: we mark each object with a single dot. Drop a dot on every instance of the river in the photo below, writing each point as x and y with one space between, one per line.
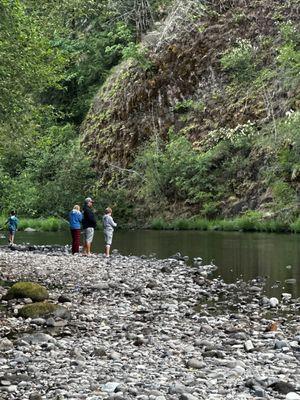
237 255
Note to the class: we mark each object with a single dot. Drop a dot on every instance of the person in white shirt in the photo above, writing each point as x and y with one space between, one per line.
108 229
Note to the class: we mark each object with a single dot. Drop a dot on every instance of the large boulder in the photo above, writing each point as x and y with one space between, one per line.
22 290
43 309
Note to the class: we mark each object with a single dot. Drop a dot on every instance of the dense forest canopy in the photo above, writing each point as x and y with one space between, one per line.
197 113
53 58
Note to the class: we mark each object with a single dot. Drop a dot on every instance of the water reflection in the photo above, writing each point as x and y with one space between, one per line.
246 255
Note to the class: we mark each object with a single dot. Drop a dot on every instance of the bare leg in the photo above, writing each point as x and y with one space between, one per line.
88 248
11 237
107 250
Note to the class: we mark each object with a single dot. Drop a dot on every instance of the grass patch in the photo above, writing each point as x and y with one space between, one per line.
223 225
50 224
159 224
246 223
295 226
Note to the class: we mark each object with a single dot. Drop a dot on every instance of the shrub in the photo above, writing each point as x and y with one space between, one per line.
181 224
239 61
200 224
177 171
283 193
158 224
40 224
223 225
295 226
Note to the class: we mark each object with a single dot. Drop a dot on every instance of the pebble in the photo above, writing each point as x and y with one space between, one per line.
187 396
248 345
143 328
194 363
281 344
292 396
273 302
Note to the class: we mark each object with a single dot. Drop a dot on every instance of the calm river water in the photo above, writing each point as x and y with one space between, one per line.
237 255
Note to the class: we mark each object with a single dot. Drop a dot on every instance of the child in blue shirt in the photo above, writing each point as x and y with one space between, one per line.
75 218
12 227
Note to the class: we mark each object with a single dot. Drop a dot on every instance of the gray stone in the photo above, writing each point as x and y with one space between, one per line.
194 363
248 345
282 387
292 396
259 392
38 338
5 383
207 329
101 286
274 302
187 396
177 388
110 387
100 351
113 355
213 353
286 296
117 396
291 281
9 389
6 344
280 344
255 289
38 321
35 396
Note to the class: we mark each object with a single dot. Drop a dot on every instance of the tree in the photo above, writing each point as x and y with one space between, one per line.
28 64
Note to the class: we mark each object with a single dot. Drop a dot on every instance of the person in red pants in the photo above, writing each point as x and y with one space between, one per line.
75 218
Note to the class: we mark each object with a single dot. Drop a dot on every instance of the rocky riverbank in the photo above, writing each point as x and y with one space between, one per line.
147 329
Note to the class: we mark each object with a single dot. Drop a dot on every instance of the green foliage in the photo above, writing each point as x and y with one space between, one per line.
28 64
65 51
158 224
118 199
53 58
139 54
239 136
284 195
211 209
120 38
50 224
55 167
239 61
250 222
282 175
296 226
223 225
179 172
187 105
289 55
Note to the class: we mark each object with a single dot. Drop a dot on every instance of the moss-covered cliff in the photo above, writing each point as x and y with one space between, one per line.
205 117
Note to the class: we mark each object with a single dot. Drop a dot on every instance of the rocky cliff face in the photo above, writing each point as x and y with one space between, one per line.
187 86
